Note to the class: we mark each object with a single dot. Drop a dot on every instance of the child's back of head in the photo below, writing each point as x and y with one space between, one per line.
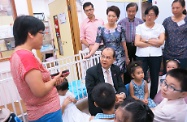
104 96
135 111
63 87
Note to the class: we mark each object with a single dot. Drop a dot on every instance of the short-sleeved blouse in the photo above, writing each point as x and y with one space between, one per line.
176 39
113 38
23 61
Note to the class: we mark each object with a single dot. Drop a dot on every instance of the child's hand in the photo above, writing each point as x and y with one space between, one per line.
73 99
145 101
66 102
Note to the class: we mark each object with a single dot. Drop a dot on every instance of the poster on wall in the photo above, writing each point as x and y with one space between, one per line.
62 18
57 33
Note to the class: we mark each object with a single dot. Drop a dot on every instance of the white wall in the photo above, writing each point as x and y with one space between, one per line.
21 7
164 9
41 6
38 6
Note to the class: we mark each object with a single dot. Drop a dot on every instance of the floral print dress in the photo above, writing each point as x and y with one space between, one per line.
113 38
139 93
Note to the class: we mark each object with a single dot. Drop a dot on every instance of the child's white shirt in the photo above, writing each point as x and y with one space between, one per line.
170 111
71 112
62 98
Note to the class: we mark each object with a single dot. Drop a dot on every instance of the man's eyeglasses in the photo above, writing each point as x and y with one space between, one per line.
88 10
169 87
41 32
106 57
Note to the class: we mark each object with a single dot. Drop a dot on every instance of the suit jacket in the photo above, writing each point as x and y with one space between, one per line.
94 76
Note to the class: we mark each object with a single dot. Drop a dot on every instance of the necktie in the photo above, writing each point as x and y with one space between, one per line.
109 78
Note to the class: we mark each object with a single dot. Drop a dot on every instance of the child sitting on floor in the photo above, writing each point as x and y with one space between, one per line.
138 86
173 107
134 111
104 97
170 64
67 100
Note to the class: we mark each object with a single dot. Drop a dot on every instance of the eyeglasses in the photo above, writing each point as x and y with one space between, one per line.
106 57
41 32
150 15
88 10
169 87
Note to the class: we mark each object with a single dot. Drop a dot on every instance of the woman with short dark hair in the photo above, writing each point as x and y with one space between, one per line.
33 81
149 38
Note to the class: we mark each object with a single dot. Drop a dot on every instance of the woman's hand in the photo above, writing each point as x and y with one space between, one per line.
127 60
58 79
87 56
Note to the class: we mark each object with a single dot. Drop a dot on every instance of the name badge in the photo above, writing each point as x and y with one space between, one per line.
182 22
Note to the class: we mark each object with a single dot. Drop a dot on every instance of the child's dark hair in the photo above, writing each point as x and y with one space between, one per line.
177 62
104 96
127 100
63 85
139 111
133 65
181 76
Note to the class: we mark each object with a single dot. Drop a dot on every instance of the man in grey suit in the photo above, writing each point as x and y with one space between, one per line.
106 72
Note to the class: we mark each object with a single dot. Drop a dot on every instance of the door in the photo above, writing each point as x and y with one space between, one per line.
66 40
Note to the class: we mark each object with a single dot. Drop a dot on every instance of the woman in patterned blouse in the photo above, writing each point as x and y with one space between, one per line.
112 35
176 34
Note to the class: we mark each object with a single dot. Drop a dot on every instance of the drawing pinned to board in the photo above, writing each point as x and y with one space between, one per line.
62 18
57 31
